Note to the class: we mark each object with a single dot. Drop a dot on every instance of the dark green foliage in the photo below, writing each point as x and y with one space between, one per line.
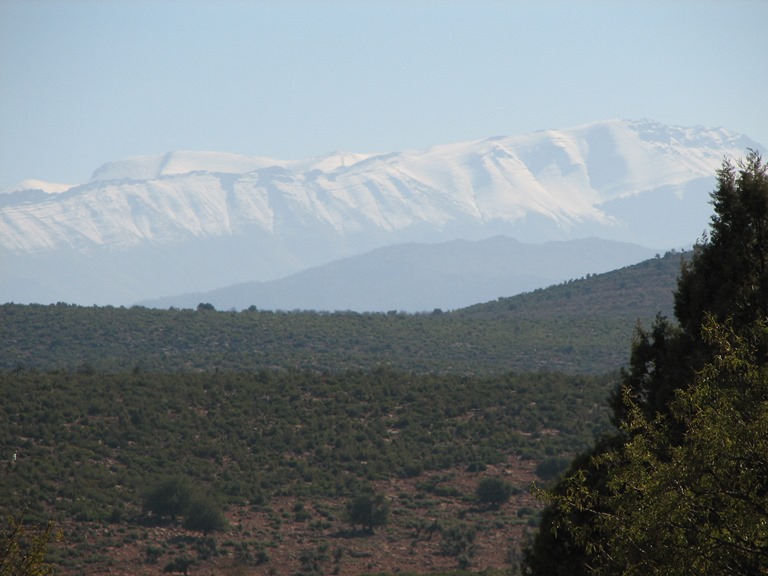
682 487
312 560
242 438
698 501
206 547
176 496
245 555
660 361
728 274
368 510
458 541
556 550
152 554
551 467
169 498
580 326
204 515
300 512
493 491
180 564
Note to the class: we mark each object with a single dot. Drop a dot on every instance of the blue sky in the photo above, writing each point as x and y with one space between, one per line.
85 82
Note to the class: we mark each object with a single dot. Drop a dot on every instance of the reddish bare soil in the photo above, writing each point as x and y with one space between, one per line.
287 537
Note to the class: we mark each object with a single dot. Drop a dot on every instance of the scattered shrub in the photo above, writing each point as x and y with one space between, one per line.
458 541
493 491
368 510
169 498
205 516
180 564
550 468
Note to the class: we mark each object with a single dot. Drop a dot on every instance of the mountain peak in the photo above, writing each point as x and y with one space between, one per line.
41 185
180 162
194 220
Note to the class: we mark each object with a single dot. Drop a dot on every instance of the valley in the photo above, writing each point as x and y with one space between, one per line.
274 420
215 428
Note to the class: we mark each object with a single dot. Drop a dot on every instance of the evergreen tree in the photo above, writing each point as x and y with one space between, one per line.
728 275
657 497
684 504
726 278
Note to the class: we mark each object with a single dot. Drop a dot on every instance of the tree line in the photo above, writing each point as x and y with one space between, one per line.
584 326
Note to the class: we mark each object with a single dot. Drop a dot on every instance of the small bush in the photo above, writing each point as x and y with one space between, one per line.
300 513
205 516
458 541
206 548
494 491
551 468
180 564
368 510
152 554
169 498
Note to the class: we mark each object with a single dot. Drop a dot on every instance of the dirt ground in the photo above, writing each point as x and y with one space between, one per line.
428 516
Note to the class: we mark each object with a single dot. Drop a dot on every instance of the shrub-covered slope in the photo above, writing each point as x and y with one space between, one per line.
280 452
582 326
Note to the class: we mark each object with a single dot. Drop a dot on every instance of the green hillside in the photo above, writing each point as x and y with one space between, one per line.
250 437
638 291
269 422
582 326
272 458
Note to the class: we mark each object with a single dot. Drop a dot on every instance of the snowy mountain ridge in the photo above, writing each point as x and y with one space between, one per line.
564 176
189 221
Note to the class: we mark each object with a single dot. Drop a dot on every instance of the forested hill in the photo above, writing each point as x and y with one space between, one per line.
637 291
582 326
110 414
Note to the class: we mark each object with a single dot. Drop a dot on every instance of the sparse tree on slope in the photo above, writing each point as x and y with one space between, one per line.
170 497
368 510
493 491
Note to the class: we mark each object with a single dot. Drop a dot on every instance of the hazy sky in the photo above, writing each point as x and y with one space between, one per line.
84 82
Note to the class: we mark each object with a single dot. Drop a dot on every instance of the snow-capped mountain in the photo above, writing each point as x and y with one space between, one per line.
191 221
